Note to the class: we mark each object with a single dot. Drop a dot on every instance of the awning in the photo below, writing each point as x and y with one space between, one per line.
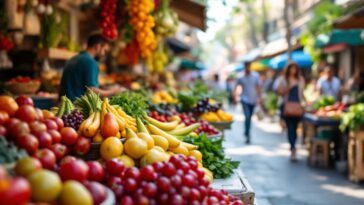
303 60
192 65
276 47
251 55
190 12
350 37
256 66
354 20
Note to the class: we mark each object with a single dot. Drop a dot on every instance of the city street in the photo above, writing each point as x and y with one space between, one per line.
277 181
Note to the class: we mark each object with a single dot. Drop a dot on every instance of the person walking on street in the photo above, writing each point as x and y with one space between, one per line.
247 91
329 84
291 89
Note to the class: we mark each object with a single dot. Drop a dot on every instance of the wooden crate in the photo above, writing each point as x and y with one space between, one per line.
356 156
237 185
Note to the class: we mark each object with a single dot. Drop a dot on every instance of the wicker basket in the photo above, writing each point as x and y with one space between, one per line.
23 88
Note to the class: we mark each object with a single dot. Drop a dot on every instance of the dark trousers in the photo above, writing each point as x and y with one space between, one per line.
248 112
292 124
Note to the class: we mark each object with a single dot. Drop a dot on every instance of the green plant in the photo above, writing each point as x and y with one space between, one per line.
354 119
52 28
133 103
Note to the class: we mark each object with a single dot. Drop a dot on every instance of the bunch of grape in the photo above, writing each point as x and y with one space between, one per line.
74 119
204 106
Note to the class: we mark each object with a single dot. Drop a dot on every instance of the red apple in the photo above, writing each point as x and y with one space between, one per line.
3 131
51 125
45 140
59 150
17 192
24 100
28 142
40 115
59 122
56 136
69 135
47 158
97 172
97 191
74 170
67 159
114 167
37 127
82 146
16 129
26 113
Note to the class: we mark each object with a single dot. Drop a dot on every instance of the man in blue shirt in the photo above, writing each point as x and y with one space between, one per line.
247 91
81 72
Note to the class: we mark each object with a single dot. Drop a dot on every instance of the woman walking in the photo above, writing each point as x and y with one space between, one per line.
291 89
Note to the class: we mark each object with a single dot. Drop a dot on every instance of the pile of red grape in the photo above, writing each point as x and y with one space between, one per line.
74 119
205 127
178 181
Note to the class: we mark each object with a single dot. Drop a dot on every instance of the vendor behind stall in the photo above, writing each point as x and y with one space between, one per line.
329 85
81 72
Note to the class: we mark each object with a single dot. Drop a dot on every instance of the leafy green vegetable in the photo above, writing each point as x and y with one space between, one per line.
213 156
354 119
323 101
9 153
133 103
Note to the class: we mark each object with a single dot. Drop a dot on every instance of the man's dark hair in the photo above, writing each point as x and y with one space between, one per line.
247 63
95 39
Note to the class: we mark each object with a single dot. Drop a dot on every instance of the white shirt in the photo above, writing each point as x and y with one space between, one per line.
249 84
330 88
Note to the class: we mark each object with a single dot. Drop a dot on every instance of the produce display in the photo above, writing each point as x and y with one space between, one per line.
354 118
163 97
107 23
323 101
331 111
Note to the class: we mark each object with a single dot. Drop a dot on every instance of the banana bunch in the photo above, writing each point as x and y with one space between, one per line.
65 107
96 124
219 116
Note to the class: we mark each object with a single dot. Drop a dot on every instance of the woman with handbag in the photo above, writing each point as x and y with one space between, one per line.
291 89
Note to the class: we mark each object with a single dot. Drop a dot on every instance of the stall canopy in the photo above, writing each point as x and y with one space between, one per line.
192 65
352 37
190 12
256 66
354 20
303 60
251 55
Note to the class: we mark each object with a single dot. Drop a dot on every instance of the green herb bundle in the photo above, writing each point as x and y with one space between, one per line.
133 103
10 153
213 156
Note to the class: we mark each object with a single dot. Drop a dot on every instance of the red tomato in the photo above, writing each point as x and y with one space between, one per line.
114 167
24 100
47 158
82 146
28 142
26 113
69 135
3 131
45 140
59 150
18 193
37 127
97 191
74 170
4 117
17 129
51 124
39 113
56 136
59 122
67 159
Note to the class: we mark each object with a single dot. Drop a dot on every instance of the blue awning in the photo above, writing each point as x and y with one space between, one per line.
303 60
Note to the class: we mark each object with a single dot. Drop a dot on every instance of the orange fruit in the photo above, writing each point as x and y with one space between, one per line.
8 104
111 148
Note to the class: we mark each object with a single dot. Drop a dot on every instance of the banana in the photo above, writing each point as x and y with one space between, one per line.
103 110
172 140
123 113
185 130
86 123
179 126
62 107
189 146
166 126
141 127
91 130
130 133
54 110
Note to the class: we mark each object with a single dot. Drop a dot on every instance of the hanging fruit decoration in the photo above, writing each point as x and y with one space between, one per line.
44 7
143 23
166 20
108 23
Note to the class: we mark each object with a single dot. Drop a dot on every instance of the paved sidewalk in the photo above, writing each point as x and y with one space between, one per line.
277 181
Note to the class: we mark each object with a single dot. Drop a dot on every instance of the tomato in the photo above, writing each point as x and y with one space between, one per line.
46 185
59 150
97 191
69 135
27 165
130 185
46 157
26 113
24 100
40 115
74 170
17 129
82 146
59 122
126 200
56 136
28 142
51 124
37 127
147 173
67 159
8 105
18 193
45 140
96 172
4 117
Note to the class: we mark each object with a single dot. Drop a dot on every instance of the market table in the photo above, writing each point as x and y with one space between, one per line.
311 124
237 185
